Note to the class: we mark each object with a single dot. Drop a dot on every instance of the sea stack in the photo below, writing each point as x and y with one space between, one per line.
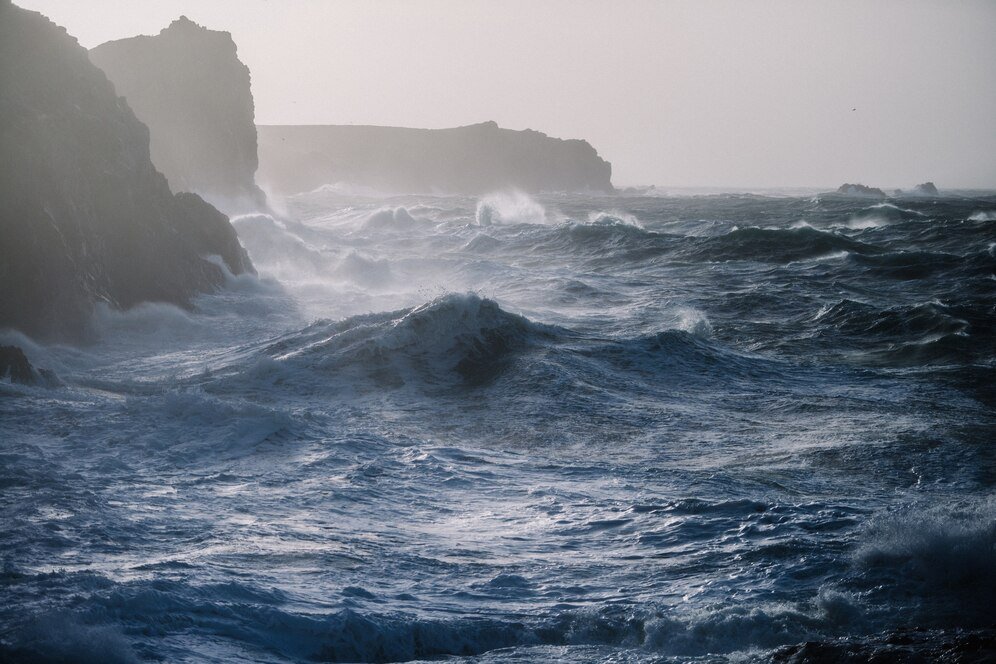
473 160
86 217
189 87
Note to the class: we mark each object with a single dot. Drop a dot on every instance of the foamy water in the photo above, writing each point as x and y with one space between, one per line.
514 429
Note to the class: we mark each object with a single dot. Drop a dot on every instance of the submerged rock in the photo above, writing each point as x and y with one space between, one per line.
189 86
476 159
86 217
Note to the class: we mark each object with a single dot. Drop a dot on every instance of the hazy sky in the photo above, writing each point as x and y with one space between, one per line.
674 93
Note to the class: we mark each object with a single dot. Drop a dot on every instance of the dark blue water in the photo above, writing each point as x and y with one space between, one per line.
566 429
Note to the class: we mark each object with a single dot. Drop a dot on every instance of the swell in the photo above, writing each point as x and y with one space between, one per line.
455 336
919 264
464 340
605 240
943 555
254 620
768 245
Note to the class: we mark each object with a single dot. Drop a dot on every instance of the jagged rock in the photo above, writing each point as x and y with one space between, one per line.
15 366
926 189
86 217
860 190
189 87
475 159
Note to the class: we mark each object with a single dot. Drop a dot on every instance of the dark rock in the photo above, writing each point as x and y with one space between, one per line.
475 159
15 366
86 217
189 87
860 190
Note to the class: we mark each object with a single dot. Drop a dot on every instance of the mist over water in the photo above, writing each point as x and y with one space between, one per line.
512 428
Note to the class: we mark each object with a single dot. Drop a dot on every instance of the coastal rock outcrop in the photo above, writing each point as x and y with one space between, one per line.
923 190
473 160
860 190
189 87
14 366
86 217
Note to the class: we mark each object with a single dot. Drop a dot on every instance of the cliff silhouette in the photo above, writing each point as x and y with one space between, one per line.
472 160
86 217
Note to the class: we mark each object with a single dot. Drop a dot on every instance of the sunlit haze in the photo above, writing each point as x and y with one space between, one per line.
672 93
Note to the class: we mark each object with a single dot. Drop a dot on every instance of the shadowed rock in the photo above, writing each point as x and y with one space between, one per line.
189 87
15 366
860 190
86 217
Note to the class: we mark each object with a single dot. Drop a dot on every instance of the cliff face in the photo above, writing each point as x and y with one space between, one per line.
189 87
472 160
85 216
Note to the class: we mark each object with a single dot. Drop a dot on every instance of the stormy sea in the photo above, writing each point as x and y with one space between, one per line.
631 428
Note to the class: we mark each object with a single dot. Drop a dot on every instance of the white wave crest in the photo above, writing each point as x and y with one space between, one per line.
510 207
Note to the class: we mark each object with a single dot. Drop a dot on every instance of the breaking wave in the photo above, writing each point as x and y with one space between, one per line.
463 335
510 207
941 553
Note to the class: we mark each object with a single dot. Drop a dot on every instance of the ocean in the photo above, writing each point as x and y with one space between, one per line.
564 428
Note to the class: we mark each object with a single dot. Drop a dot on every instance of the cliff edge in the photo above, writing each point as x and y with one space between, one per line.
86 217
189 87
473 160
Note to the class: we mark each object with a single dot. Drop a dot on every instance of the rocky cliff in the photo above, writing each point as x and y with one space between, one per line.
189 87
85 216
470 160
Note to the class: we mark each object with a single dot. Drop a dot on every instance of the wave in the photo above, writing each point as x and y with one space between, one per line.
768 245
614 218
464 339
254 620
923 320
902 645
985 215
462 335
897 209
510 207
942 553
610 242
880 215
364 271
272 245
930 333
60 636
913 265
346 190
397 219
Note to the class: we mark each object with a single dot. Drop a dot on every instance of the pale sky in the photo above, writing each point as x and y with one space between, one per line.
703 93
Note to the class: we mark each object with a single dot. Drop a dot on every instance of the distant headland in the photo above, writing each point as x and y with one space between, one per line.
474 159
